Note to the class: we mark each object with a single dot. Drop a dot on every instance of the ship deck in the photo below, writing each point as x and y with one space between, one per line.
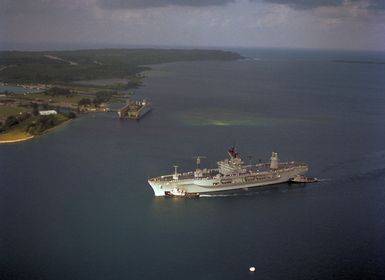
260 168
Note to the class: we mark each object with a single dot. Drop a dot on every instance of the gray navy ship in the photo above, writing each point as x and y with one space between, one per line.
231 174
134 109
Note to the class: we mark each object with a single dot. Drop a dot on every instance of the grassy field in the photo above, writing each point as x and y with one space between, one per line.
8 111
74 99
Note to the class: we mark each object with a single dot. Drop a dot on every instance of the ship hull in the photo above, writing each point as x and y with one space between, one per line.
143 111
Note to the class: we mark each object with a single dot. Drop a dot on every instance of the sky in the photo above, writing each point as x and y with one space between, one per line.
314 24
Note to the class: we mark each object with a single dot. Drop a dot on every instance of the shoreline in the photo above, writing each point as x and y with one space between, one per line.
49 130
30 137
18 140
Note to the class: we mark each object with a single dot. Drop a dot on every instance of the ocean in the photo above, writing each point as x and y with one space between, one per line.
75 203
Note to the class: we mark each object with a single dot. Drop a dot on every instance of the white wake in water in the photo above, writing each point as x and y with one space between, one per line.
229 194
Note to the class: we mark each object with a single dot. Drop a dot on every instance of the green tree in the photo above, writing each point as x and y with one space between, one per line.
85 102
35 109
71 115
55 91
11 121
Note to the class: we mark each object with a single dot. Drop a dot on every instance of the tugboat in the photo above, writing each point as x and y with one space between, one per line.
302 179
176 192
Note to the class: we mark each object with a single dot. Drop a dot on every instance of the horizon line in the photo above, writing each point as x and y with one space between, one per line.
60 46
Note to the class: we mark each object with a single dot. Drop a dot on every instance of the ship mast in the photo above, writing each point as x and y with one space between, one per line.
274 161
175 176
198 160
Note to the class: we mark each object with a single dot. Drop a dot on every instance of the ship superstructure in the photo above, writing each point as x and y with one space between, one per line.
231 174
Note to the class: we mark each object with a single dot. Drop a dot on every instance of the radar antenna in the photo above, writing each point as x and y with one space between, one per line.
198 160
250 158
175 176
176 169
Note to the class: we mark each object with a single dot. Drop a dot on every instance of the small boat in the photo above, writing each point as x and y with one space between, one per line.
176 192
302 179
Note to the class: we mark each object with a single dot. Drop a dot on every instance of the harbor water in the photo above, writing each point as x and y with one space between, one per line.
75 203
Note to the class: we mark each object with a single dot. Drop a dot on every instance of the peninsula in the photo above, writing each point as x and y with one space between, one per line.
77 81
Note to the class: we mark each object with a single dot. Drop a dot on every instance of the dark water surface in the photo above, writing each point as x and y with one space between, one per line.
75 204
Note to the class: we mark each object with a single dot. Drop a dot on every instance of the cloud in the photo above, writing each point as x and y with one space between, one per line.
295 4
45 6
139 4
312 4
279 23
377 4
10 7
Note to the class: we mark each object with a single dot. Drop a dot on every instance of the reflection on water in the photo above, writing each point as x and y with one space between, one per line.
216 117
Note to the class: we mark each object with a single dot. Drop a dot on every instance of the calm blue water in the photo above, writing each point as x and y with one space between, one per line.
75 204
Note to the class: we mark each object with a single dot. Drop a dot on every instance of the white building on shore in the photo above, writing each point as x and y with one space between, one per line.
47 113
